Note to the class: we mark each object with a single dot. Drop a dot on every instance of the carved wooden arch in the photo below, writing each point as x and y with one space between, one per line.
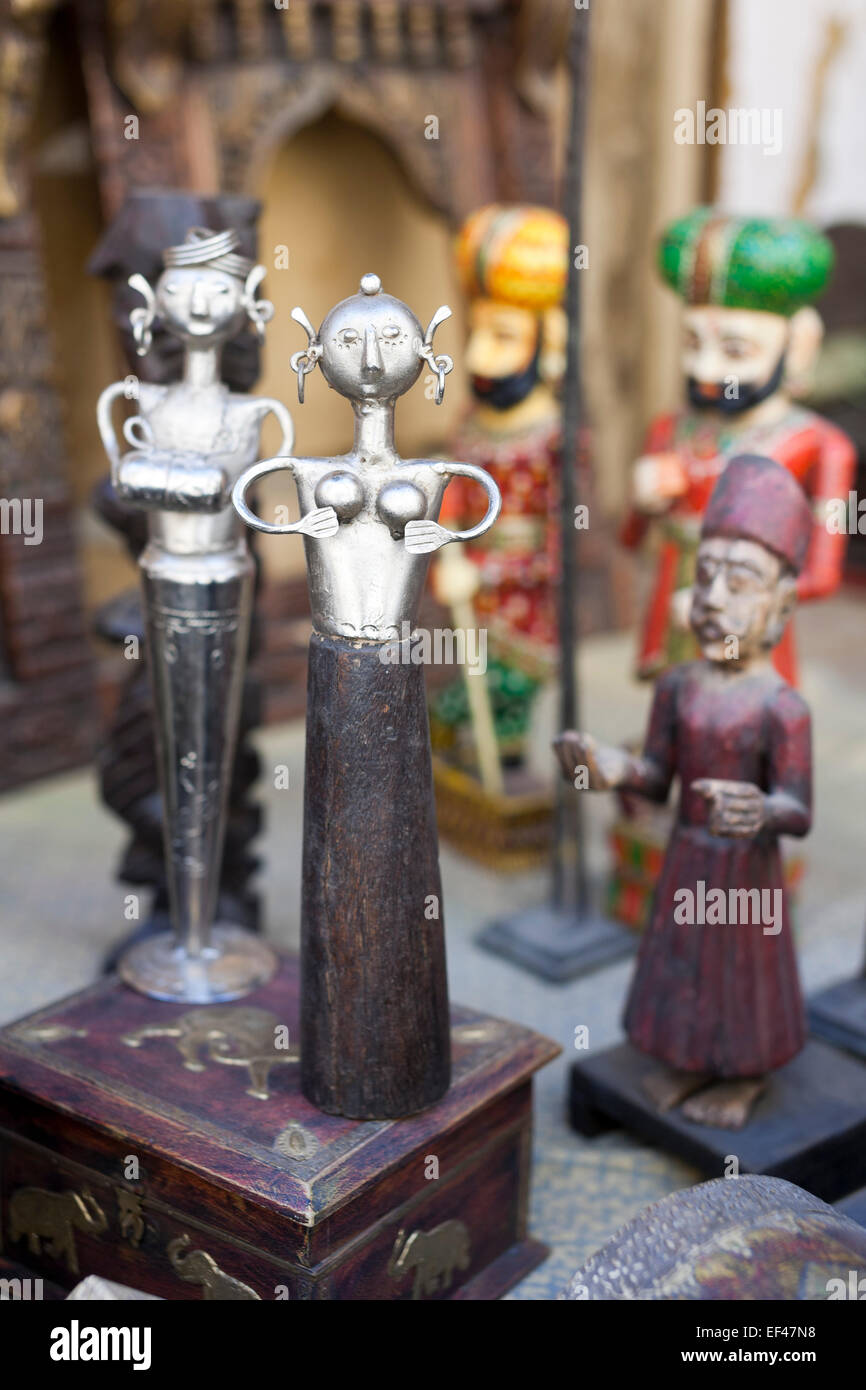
260 110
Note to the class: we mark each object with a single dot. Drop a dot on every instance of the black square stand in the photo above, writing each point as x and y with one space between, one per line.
838 1014
556 944
809 1126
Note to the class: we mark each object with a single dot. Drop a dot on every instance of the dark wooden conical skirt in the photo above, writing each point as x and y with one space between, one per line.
375 1039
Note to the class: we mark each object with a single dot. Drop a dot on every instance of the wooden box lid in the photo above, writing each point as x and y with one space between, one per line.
218 1130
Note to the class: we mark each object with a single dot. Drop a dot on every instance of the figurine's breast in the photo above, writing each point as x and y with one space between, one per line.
364 583
399 502
341 490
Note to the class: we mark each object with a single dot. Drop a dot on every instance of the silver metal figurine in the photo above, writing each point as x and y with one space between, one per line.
374 1024
366 564
190 441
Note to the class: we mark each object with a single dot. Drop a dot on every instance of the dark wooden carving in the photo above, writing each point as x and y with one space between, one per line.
46 674
367 755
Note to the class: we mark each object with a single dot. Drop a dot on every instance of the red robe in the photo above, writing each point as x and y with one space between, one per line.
821 457
721 999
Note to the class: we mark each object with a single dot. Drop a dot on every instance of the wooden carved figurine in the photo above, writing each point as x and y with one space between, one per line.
716 995
513 264
750 337
374 1001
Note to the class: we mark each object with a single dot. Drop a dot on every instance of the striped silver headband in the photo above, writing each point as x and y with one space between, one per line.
214 249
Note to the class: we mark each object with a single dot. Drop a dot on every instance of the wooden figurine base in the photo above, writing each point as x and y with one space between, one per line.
838 1014
809 1126
511 833
169 1148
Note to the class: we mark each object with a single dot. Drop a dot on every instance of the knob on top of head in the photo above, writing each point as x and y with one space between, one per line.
370 284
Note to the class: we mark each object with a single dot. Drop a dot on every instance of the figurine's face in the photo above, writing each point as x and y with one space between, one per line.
502 339
742 598
728 351
199 303
370 347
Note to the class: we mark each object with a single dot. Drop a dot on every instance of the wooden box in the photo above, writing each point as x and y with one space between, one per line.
168 1147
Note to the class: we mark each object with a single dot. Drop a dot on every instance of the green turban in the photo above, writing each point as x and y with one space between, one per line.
773 264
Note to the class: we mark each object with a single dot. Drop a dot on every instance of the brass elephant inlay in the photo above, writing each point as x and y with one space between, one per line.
235 1036
54 1217
131 1217
434 1255
198 1267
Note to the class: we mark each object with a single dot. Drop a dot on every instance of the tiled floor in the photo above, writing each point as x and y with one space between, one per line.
61 910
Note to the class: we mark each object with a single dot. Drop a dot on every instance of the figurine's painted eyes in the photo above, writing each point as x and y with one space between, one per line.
737 347
170 288
222 289
691 341
391 331
706 571
349 335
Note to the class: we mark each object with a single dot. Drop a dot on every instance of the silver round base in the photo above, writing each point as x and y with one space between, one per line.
234 963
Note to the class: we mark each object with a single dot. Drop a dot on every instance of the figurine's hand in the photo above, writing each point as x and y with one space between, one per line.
319 523
681 607
736 808
420 537
657 481
605 767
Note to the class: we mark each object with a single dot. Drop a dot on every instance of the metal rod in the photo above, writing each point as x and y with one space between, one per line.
570 879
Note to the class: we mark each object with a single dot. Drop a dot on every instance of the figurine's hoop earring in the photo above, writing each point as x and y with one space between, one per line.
259 311
142 319
305 361
443 364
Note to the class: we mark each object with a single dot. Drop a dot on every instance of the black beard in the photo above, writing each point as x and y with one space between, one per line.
752 393
502 392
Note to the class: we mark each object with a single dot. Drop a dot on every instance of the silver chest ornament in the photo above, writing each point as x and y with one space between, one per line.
369 517
190 442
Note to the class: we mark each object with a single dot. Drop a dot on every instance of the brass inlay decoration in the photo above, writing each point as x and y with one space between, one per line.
482 1031
131 1217
197 1267
434 1255
234 1036
296 1142
48 1032
54 1217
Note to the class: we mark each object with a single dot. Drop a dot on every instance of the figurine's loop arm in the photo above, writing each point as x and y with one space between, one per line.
285 422
423 536
104 422
320 523
494 497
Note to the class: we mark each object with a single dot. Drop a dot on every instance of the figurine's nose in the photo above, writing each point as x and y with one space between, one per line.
717 592
198 302
372 355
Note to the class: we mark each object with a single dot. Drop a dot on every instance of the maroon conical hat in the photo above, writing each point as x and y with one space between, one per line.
759 500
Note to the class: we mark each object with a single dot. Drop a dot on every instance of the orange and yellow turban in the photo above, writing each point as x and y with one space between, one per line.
516 255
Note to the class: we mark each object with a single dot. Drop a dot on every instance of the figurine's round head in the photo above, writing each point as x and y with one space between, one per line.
747 284
206 291
513 264
754 541
370 345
